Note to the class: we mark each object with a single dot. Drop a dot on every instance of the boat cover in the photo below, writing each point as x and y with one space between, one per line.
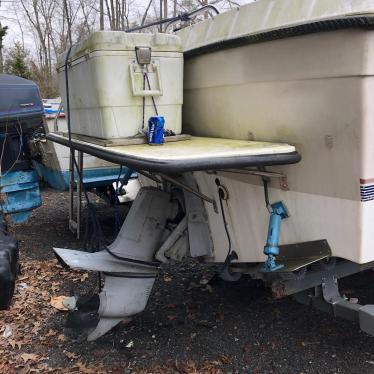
267 20
189 155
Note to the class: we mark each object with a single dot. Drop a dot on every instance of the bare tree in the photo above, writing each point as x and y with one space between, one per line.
146 12
57 24
3 31
39 14
175 4
101 14
118 12
68 21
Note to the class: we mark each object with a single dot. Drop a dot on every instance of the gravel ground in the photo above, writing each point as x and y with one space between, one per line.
189 327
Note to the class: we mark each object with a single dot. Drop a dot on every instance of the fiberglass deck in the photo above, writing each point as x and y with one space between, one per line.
194 154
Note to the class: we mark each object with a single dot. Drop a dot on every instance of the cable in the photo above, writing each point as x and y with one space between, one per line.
1 164
99 280
68 121
166 131
95 240
2 150
20 133
180 17
266 195
3 147
142 130
145 78
153 99
225 272
133 261
225 225
93 236
2 154
92 213
221 198
131 275
117 222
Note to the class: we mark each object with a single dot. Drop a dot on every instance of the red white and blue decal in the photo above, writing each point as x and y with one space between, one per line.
367 189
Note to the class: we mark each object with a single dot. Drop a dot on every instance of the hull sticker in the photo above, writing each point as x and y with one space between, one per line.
367 189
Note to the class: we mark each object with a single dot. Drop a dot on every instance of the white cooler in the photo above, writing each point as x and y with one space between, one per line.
106 84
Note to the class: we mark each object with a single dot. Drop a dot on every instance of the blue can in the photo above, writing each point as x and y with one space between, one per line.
156 130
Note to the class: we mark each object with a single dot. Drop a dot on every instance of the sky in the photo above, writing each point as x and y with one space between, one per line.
8 17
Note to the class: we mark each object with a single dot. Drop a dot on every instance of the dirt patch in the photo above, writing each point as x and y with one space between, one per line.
187 327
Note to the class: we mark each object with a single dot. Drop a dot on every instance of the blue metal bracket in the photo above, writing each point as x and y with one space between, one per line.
279 212
20 193
127 176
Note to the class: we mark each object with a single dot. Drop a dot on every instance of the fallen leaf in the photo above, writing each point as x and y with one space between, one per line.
130 344
71 355
57 303
29 357
208 288
84 369
14 343
51 333
220 317
7 331
84 277
36 327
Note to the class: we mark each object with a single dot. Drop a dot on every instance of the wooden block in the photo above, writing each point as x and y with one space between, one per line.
124 141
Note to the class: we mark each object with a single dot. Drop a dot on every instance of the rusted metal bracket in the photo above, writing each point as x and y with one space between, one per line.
263 173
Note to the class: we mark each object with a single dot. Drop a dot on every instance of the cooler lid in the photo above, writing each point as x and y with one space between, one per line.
122 41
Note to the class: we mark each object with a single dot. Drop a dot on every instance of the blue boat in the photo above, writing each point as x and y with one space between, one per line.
21 115
53 163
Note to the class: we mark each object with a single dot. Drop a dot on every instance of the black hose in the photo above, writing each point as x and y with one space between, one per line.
69 124
266 195
93 236
153 99
221 198
180 17
225 225
132 260
117 220
131 275
94 225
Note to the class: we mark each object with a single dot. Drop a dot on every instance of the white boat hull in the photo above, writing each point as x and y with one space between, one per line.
314 91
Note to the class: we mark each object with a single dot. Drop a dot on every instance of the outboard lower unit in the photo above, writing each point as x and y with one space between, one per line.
21 117
128 263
